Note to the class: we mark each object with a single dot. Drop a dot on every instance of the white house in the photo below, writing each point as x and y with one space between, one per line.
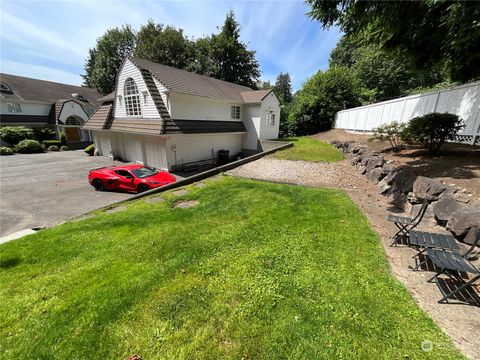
165 117
39 103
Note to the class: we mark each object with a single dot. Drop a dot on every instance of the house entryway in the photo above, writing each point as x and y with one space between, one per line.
73 133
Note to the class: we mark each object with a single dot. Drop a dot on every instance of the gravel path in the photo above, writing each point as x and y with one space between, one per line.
298 172
460 322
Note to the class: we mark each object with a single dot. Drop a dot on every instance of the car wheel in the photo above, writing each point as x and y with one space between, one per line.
98 185
142 188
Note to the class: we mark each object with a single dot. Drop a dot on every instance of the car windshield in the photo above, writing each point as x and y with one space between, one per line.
144 172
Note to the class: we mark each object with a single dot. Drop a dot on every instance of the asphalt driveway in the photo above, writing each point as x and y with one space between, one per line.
45 189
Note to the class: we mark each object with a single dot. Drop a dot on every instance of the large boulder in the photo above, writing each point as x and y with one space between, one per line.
399 182
445 208
432 190
374 162
463 220
472 236
375 175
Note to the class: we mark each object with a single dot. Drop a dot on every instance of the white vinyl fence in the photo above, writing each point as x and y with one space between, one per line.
462 100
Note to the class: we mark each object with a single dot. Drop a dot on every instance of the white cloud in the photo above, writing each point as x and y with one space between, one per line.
39 72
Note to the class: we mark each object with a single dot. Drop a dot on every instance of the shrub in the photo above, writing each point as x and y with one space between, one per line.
391 132
320 98
6 151
90 150
432 130
43 134
64 148
53 148
63 138
48 143
14 134
29 146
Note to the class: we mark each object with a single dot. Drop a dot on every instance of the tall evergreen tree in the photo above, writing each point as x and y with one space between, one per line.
105 59
283 88
231 59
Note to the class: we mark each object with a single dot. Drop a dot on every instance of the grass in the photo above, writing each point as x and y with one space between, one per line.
256 270
309 149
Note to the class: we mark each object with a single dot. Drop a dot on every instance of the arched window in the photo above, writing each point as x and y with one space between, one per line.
132 100
73 121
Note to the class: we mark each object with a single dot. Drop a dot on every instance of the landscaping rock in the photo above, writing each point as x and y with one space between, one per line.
375 175
432 190
383 186
400 183
356 159
428 220
471 236
362 169
374 162
444 209
185 204
154 200
463 220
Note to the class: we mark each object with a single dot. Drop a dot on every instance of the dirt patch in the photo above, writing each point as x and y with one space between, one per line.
180 192
115 209
200 185
154 200
457 165
460 322
185 204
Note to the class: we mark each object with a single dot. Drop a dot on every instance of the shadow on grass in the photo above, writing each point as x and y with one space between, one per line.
9 263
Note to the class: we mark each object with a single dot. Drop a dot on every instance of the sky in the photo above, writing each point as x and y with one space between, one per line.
50 39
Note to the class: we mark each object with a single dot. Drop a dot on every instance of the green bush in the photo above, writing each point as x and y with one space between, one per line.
63 138
391 132
14 134
432 130
320 98
48 143
90 150
53 148
64 148
4 150
29 146
43 134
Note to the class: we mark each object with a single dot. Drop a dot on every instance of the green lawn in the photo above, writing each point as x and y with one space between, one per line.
256 270
309 149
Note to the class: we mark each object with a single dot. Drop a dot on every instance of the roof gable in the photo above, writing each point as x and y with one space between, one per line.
186 82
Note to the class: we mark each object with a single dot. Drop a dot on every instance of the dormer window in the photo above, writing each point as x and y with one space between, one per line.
132 99
4 88
79 97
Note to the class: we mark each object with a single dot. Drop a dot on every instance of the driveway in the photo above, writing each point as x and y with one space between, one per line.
45 189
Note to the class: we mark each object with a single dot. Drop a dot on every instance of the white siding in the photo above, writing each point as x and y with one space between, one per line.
188 107
72 109
463 101
28 108
188 148
251 120
269 103
102 143
149 110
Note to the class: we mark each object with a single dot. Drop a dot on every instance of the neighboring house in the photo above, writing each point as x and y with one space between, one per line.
166 117
39 103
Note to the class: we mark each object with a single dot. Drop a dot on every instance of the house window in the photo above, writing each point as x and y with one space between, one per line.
14 108
271 118
235 112
4 88
132 100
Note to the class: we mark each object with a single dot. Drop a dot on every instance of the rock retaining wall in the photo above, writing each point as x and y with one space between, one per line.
448 206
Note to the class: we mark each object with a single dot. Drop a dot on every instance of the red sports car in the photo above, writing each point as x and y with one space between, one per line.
131 178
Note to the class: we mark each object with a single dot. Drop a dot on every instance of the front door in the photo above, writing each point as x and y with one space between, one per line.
73 133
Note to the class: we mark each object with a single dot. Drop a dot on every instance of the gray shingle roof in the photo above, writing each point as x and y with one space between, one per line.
254 96
186 82
46 91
